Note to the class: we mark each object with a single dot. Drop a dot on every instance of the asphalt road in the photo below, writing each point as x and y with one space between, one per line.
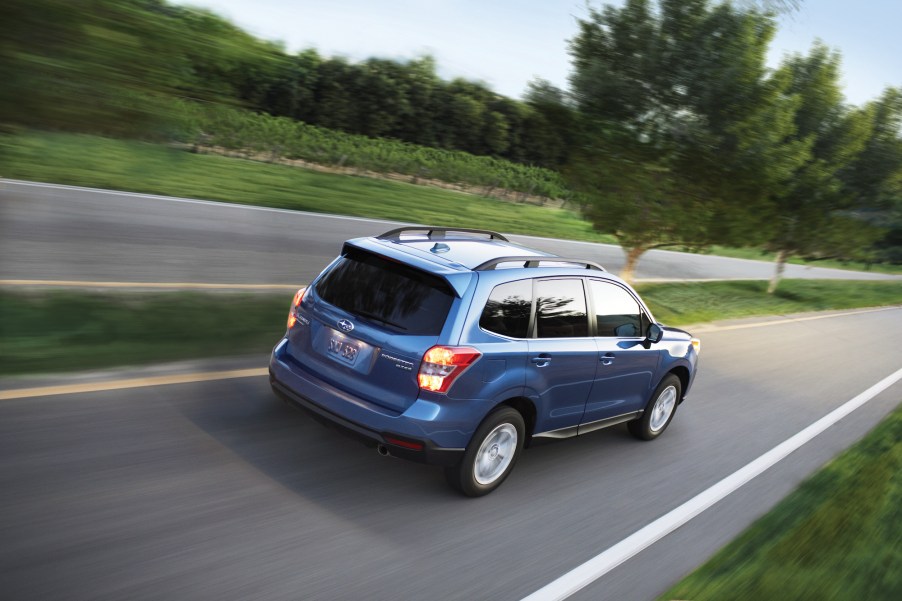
216 490
63 233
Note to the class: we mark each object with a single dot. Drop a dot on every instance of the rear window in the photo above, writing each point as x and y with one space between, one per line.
388 293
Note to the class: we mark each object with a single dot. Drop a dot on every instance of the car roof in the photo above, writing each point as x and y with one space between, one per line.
471 249
461 250
454 253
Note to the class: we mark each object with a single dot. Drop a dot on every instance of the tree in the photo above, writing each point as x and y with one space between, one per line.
682 130
814 212
874 179
381 97
422 86
462 118
550 128
334 100
292 94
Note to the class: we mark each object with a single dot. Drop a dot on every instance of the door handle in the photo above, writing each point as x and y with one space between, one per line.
607 359
542 360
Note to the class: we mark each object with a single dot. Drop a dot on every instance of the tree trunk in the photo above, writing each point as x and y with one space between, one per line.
632 258
778 274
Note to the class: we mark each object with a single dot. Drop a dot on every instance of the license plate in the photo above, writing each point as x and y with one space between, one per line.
343 350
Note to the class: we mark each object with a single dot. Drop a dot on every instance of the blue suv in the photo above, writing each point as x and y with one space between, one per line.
456 347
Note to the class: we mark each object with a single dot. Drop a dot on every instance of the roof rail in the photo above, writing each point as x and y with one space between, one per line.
439 232
535 261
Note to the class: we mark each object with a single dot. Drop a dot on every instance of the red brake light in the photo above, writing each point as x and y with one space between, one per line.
295 303
443 364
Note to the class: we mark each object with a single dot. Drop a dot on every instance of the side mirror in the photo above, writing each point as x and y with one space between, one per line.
655 333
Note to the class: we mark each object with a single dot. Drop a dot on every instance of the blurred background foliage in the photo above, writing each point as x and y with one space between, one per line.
688 138
118 67
674 131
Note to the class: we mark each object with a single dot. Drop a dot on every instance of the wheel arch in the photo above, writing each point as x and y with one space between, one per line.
681 372
524 407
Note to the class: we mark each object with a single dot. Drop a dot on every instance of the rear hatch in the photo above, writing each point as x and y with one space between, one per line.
371 319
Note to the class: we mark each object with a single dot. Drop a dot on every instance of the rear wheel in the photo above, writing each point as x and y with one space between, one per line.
659 411
491 454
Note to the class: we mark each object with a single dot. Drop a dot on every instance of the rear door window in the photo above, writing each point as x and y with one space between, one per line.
508 308
561 309
388 293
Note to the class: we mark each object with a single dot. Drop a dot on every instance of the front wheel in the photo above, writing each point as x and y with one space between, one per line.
659 411
491 454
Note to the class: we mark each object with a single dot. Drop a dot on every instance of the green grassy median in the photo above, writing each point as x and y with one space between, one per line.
53 330
57 331
699 302
837 537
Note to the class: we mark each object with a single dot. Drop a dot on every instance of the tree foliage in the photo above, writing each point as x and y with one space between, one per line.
683 128
874 179
815 211
113 66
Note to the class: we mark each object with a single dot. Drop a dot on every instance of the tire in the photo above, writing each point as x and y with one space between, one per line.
659 411
498 442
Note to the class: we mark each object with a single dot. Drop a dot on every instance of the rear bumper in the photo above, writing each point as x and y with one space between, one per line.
325 405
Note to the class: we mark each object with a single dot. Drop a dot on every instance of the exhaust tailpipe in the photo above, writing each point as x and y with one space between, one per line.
382 450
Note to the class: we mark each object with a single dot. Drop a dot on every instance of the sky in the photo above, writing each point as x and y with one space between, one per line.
507 43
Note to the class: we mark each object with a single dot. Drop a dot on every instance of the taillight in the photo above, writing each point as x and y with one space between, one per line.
407 444
443 364
295 303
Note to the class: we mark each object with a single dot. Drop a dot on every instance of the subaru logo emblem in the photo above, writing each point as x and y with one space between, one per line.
344 325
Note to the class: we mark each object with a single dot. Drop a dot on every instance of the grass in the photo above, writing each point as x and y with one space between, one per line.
98 162
64 331
698 302
74 330
836 538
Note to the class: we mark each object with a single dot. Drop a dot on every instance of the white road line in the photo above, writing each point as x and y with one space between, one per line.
587 573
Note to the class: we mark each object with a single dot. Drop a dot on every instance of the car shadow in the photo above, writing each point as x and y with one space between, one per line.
393 498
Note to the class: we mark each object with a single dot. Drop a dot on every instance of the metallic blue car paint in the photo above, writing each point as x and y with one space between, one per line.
624 379
585 380
447 424
560 374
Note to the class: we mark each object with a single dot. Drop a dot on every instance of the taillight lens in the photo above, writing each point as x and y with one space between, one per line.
443 364
295 303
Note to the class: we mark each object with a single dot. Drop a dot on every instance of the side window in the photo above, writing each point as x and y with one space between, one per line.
508 308
616 312
561 309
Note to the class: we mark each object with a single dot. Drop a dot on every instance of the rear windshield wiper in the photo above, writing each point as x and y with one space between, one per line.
379 319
